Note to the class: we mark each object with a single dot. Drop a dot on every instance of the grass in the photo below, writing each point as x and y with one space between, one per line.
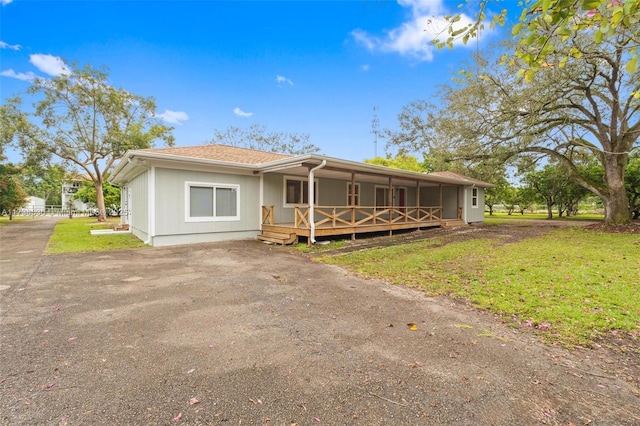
73 236
543 216
571 285
305 248
4 220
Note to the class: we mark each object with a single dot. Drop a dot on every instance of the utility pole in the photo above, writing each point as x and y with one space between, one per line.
374 131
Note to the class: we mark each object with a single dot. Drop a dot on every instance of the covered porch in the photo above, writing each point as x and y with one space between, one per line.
311 201
352 220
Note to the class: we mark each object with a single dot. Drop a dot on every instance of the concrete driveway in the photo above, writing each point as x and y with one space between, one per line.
245 333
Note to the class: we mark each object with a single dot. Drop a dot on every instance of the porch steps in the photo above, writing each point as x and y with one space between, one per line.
454 223
278 238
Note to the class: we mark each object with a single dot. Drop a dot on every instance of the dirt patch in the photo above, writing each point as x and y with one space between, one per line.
617 352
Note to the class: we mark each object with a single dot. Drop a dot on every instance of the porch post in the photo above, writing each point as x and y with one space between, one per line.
418 203
390 205
353 203
441 206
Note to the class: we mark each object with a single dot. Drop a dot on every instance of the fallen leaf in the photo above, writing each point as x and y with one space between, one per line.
49 385
191 371
177 418
412 326
317 420
194 401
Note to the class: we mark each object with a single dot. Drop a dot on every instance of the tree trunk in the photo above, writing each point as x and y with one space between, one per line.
616 208
102 211
616 203
549 210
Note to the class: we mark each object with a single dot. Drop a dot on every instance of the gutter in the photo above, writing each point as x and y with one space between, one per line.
312 224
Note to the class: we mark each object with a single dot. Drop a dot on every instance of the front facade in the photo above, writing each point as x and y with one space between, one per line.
214 193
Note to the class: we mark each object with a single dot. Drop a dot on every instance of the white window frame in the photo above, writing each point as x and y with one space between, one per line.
474 198
357 203
305 181
214 186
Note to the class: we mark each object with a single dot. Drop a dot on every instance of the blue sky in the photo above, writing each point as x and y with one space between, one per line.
292 66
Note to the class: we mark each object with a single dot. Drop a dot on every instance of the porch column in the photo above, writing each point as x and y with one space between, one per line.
441 206
352 201
390 205
418 202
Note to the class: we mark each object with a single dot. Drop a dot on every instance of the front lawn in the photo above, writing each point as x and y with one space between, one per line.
570 285
73 236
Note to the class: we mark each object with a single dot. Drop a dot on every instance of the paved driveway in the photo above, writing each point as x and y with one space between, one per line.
245 333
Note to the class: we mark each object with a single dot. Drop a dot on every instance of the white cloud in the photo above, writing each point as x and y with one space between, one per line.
28 76
414 37
365 67
4 45
5 2
49 64
173 117
280 79
240 113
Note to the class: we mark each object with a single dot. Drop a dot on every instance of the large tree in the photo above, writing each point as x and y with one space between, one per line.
545 25
258 137
80 118
12 196
582 107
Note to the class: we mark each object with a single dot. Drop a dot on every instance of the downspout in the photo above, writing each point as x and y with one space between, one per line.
312 224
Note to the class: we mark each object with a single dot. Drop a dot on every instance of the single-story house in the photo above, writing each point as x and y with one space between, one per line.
184 195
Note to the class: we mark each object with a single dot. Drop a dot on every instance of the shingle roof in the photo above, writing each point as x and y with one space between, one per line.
453 175
225 153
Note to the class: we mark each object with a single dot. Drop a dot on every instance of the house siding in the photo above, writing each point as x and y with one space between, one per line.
474 214
170 221
140 206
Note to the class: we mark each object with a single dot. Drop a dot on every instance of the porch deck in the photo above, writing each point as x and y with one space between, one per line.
347 220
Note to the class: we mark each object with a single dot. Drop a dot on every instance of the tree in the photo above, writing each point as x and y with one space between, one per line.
257 137
44 182
585 108
12 196
548 184
81 119
546 25
632 180
401 161
87 194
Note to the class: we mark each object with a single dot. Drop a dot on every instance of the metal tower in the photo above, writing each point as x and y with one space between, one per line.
374 131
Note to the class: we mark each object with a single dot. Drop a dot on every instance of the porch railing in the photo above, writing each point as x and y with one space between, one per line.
337 216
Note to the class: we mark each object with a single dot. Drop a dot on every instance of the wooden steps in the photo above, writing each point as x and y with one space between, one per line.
278 238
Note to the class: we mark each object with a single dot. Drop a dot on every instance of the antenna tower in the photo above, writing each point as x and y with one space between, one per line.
374 130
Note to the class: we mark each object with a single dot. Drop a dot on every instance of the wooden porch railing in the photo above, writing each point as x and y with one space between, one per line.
267 215
336 216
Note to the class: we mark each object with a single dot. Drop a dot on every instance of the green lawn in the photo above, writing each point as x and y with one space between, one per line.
543 216
570 286
4 220
73 236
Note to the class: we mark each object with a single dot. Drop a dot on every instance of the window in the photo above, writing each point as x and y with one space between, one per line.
357 194
474 197
206 202
296 191
382 196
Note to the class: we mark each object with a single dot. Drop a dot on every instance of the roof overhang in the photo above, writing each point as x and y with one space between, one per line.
134 162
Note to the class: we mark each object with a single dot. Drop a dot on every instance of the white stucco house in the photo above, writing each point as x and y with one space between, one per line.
208 193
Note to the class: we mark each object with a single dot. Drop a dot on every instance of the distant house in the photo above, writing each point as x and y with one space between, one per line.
216 192
35 203
70 186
